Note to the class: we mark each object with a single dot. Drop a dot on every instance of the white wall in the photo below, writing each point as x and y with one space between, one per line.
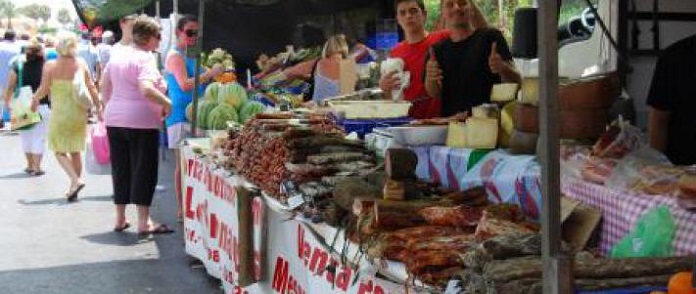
639 81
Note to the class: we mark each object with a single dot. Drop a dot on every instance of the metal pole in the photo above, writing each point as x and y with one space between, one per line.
197 70
557 276
175 7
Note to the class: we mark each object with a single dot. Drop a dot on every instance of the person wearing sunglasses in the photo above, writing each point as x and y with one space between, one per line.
179 74
136 104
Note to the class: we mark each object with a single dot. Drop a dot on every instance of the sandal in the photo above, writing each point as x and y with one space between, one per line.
122 228
37 173
28 170
72 196
158 230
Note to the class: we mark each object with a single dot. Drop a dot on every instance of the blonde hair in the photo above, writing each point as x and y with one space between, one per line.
335 44
66 44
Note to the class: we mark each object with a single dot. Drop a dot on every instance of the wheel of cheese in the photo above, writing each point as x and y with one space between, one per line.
577 123
591 92
526 118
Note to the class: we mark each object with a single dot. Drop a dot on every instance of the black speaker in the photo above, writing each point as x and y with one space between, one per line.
524 36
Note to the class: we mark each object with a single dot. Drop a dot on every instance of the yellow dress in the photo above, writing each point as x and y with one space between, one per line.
67 127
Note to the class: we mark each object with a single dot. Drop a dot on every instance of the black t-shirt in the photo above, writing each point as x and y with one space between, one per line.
31 75
673 90
467 79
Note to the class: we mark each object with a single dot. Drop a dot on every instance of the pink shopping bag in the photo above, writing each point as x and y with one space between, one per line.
100 143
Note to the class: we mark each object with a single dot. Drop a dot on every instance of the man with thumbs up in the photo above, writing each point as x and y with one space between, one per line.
463 68
411 16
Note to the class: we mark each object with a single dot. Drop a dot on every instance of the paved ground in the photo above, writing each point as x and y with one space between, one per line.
49 246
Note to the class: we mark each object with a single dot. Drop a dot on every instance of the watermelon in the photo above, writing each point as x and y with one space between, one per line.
204 109
220 115
211 92
232 94
249 110
189 112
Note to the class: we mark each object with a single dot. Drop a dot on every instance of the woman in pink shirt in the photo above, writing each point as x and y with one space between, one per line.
136 105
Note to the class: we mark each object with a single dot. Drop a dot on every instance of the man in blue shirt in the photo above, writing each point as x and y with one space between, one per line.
8 51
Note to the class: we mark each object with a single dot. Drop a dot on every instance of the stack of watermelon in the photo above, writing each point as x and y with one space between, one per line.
222 103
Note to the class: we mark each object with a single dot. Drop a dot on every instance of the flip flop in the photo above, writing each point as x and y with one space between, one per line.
72 197
158 230
123 228
28 170
37 173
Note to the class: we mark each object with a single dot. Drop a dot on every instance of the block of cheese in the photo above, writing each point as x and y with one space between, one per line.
504 92
456 134
486 111
481 133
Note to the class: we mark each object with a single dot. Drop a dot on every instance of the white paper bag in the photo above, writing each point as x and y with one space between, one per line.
92 166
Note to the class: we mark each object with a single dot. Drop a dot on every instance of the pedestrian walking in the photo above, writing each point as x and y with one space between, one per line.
8 51
65 78
29 67
136 104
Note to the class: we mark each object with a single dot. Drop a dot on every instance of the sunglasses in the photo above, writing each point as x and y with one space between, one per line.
191 33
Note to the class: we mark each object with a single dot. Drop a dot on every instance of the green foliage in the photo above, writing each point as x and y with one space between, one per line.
64 16
433 9
35 11
490 9
7 10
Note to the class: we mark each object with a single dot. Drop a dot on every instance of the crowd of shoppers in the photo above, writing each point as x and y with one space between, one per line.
128 95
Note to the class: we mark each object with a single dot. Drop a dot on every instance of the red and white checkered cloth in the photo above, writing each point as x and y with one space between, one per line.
621 210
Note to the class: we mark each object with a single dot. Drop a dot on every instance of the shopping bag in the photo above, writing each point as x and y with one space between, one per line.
92 166
22 118
100 143
651 237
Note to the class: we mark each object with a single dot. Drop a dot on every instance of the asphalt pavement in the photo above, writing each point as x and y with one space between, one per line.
50 246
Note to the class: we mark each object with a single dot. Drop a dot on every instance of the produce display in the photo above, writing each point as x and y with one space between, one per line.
223 103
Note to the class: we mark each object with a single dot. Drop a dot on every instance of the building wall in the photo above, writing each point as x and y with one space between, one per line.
643 66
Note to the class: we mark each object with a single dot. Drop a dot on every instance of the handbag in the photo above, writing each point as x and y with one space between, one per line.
81 96
22 118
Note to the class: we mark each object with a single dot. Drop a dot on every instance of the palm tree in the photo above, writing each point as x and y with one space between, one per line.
7 8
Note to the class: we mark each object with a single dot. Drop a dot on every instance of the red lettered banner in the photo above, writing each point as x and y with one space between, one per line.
288 258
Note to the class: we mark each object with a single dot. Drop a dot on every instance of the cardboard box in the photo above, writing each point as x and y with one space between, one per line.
579 221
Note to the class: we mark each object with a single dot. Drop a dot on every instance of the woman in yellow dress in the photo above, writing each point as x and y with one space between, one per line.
67 127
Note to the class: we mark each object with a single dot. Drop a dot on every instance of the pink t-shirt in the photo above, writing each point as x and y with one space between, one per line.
126 106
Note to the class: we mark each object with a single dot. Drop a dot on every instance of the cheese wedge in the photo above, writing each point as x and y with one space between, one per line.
456 135
482 133
504 92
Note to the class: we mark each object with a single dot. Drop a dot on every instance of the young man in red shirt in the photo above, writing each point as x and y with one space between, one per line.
411 16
